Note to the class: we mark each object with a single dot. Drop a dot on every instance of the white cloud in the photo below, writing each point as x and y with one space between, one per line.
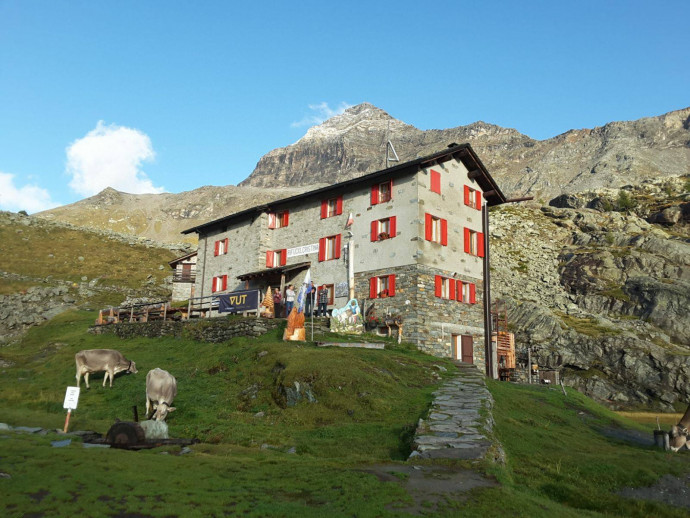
30 198
110 156
320 113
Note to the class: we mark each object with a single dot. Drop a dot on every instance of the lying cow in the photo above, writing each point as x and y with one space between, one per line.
98 360
678 436
161 389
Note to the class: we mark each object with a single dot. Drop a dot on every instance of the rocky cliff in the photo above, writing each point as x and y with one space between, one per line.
602 294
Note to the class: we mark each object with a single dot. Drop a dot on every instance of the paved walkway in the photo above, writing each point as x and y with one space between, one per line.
459 419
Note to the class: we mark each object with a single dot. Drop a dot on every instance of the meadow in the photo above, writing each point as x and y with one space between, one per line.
343 455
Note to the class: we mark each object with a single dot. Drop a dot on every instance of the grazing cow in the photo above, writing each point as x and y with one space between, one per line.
678 436
161 389
97 360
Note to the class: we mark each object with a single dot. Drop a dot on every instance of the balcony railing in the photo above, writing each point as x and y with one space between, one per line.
184 277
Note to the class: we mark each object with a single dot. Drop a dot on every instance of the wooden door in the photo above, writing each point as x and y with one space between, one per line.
467 346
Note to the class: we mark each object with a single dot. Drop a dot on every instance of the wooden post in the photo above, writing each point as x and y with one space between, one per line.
69 412
164 309
100 317
131 314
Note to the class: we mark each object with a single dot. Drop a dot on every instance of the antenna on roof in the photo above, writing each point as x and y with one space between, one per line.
390 149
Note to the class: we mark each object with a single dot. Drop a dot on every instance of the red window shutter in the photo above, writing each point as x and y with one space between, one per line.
213 284
480 244
339 205
225 282
394 230
391 285
271 220
373 287
439 286
322 249
467 195
227 242
337 245
283 257
451 289
269 259
444 232
374 230
217 246
287 218
427 226
478 204
435 181
324 209
374 194
473 293
458 291
467 240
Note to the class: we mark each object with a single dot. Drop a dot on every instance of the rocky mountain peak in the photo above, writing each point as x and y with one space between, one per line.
364 118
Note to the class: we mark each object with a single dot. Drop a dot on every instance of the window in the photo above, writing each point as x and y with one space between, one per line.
383 229
467 292
474 242
382 287
451 289
473 198
221 247
278 219
435 181
382 192
436 229
331 207
445 288
276 258
220 283
329 248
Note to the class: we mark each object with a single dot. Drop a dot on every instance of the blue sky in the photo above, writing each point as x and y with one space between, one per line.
169 96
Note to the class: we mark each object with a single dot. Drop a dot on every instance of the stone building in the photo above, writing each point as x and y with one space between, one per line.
184 276
410 239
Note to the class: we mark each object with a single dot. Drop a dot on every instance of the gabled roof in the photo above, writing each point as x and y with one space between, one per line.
462 152
182 258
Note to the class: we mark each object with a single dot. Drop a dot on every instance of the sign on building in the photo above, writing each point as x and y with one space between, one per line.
303 250
238 301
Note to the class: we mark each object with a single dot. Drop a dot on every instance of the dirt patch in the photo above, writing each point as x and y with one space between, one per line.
430 485
627 435
669 490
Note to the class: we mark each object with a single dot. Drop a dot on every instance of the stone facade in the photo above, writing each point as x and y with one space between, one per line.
433 323
428 193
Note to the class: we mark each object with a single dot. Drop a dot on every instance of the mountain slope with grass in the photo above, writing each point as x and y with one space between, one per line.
341 454
50 267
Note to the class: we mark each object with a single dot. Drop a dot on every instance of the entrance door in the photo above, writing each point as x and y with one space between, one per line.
467 348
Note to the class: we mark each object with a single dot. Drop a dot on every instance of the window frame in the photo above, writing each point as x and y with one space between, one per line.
221 247
223 280
379 283
278 219
377 231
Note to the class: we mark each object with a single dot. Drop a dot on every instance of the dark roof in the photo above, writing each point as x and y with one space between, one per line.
179 259
463 152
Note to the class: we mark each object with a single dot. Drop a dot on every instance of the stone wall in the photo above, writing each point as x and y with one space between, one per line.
214 330
430 322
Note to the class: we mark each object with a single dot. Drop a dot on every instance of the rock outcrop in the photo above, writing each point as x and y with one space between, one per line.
603 295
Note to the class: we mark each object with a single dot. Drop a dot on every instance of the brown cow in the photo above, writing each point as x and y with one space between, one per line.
678 436
161 389
97 360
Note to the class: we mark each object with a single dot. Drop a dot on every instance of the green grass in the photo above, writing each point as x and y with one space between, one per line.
56 250
559 460
587 326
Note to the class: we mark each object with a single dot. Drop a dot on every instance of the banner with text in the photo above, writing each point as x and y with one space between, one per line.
239 301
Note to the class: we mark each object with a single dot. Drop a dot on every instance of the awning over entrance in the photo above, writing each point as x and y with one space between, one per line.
272 272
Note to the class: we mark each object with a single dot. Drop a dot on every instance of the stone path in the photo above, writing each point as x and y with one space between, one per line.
455 427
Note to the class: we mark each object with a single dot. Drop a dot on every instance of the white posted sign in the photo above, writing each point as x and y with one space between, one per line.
71 398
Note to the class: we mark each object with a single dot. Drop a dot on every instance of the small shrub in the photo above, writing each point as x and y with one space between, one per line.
625 201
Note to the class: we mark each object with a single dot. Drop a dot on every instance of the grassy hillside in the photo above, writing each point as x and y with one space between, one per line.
39 253
343 455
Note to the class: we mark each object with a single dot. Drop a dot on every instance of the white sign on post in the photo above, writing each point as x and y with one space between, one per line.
71 398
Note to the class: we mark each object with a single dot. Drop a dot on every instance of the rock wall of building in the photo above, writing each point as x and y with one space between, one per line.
429 321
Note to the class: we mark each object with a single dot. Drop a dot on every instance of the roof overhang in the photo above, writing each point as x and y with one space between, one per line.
272 272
